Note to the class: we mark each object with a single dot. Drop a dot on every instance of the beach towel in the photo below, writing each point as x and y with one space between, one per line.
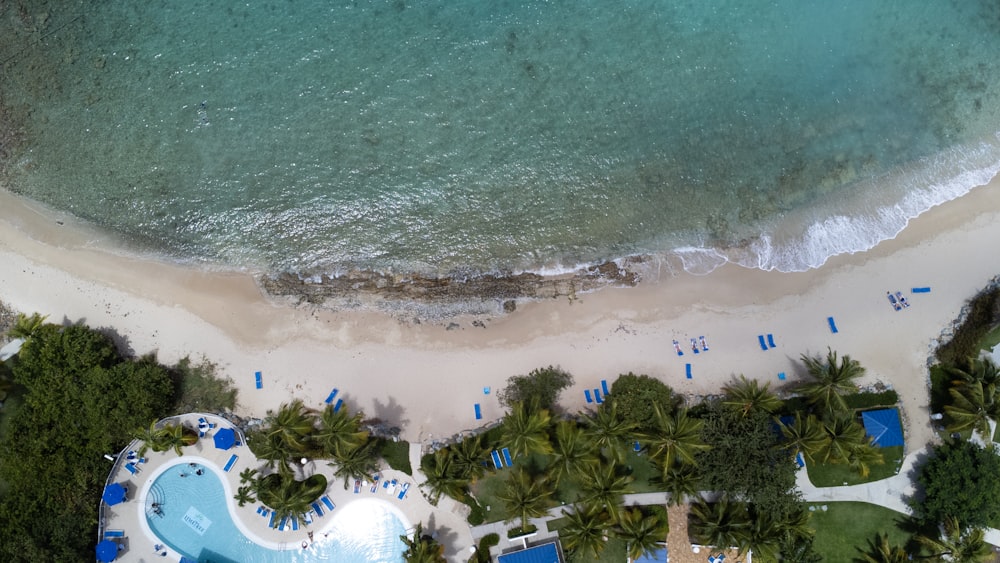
763 343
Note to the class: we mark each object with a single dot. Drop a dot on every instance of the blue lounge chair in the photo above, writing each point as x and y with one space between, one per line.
799 460
486 390
497 462
319 511
833 325
506 457
402 491
597 396
479 413
326 501
375 479
687 370
295 524
586 395
109 534
308 517
763 343
284 521
340 403
770 341
331 396
357 486
694 346
604 387
259 509
230 463
920 290
257 377
131 468
270 523
636 446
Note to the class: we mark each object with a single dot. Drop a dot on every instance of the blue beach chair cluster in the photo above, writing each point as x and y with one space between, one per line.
765 345
698 345
331 397
596 397
502 458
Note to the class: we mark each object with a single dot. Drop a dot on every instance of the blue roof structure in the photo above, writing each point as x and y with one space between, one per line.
884 427
545 553
658 556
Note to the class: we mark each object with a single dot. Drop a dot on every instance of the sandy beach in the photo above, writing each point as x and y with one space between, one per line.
425 378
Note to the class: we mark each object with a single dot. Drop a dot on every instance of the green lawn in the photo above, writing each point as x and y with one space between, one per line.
835 475
845 526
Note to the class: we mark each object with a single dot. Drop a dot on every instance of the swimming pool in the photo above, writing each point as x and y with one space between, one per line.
195 521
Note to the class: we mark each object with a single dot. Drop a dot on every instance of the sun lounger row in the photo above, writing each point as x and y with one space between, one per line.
501 458
765 345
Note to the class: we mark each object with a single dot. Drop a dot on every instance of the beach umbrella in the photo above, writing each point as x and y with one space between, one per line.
107 550
225 438
113 494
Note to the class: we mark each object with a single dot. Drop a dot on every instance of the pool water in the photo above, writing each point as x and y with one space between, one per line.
195 521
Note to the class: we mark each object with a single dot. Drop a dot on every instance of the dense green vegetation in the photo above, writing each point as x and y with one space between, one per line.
968 338
539 389
81 400
960 480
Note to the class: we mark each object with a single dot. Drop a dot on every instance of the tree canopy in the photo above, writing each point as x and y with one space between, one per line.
538 390
635 398
82 399
960 480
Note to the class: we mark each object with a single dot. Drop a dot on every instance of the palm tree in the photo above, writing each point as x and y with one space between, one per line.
25 326
957 544
680 482
585 530
339 431
879 551
248 476
166 437
721 524
674 438
244 495
603 485
293 426
609 433
467 458
804 435
524 497
421 548
860 458
748 395
357 462
972 407
983 370
642 534
441 476
832 379
527 431
270 448
843 435
573 454
287 497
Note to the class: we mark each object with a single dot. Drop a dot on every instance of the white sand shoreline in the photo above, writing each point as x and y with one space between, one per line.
426 379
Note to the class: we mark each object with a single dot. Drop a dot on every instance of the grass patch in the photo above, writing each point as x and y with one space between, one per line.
835 475
845 526
486 490
199 389
614 552
396 454
643 471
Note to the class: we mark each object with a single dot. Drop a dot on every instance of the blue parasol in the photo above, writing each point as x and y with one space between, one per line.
113 494
225 438
107 551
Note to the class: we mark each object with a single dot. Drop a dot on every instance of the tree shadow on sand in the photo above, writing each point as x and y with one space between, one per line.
388 417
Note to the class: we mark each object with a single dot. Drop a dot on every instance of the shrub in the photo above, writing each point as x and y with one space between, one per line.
199 389
962 480
887 398
396 454
483 551
478 514
539 389
984 314
519 531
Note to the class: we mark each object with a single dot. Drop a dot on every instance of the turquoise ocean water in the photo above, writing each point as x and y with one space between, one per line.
465 136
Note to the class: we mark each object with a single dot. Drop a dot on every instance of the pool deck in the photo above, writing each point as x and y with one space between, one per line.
139 541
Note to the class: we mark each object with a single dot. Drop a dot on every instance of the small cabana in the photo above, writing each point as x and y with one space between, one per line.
883 427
